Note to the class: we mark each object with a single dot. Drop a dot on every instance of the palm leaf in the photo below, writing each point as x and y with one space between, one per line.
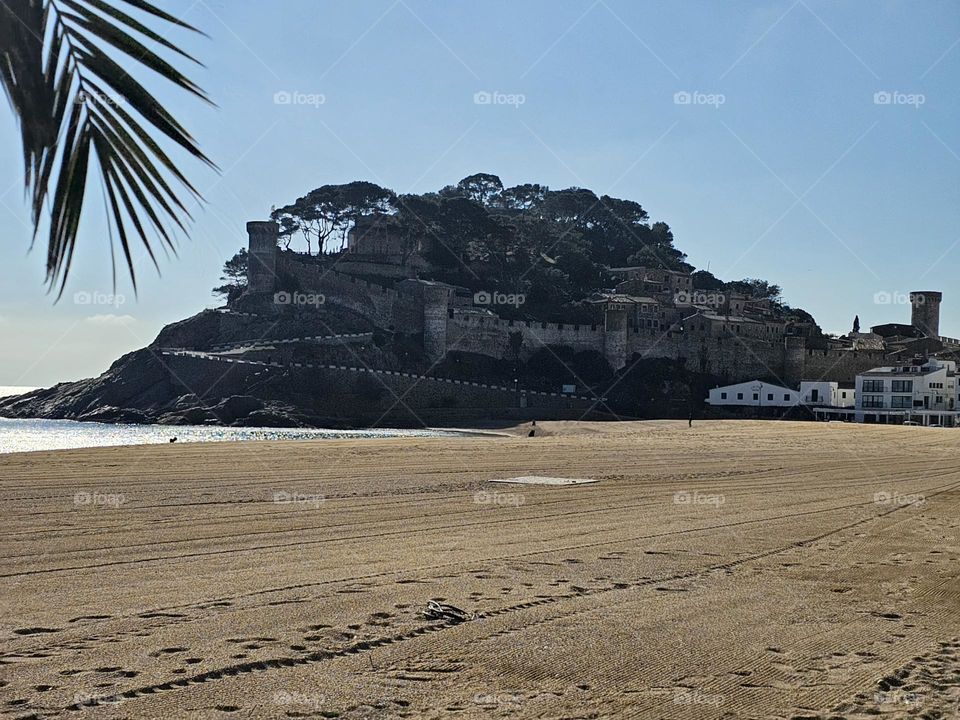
74 100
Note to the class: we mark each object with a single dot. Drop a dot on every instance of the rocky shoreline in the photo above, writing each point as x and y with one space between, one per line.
141 388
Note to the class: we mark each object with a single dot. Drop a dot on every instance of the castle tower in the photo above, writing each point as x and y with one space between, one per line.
436 300
615 335
794 357
925 315
262 257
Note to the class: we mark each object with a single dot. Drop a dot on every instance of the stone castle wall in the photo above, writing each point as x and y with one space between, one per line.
487 335
385 307
339 392
839 365
415 307
734 359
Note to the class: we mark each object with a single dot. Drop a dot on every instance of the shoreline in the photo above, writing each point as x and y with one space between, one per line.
29 435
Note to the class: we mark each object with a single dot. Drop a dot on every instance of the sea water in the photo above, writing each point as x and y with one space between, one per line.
33 435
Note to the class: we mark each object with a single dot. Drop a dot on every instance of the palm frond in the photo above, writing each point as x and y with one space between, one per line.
74 100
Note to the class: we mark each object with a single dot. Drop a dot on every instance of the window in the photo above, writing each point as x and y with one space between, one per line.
739 396
770 396
872 386
723 396
756 396
872 401
786 396
903 386
901 401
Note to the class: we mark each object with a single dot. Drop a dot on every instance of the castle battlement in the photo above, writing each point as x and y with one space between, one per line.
732 342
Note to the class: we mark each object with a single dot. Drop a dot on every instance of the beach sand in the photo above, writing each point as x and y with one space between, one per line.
737 569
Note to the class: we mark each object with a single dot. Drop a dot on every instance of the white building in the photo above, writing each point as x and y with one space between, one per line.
753 394
829 400
823 393
923 392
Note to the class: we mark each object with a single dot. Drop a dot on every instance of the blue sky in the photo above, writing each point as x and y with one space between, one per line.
785 164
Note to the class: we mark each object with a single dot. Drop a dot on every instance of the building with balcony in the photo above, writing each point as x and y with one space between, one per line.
923 391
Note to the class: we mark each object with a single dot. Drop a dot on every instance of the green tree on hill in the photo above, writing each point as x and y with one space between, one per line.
554 246
235 277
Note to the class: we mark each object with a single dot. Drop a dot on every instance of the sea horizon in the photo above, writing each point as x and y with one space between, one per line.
8 390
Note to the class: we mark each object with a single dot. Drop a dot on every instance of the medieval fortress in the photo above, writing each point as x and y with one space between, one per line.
651 313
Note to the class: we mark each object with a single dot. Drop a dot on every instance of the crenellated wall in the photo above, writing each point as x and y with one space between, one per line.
488 335
414 306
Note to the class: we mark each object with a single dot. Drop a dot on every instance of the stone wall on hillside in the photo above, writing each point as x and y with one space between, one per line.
414 306
490 335
340 392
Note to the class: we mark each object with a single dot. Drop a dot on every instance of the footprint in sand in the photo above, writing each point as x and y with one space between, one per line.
168 651
35 630
150 615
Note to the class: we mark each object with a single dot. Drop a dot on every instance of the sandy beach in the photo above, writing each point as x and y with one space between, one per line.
737 569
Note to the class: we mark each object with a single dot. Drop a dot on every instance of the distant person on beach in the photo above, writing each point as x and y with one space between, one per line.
690 420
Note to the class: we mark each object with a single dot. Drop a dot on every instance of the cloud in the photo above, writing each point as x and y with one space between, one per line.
110 320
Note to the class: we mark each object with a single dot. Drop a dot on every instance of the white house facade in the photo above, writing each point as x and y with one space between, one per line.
829 400
924 392
821 393
753 394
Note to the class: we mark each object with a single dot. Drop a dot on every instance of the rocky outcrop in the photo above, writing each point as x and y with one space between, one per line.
142 387
133 387
151 386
